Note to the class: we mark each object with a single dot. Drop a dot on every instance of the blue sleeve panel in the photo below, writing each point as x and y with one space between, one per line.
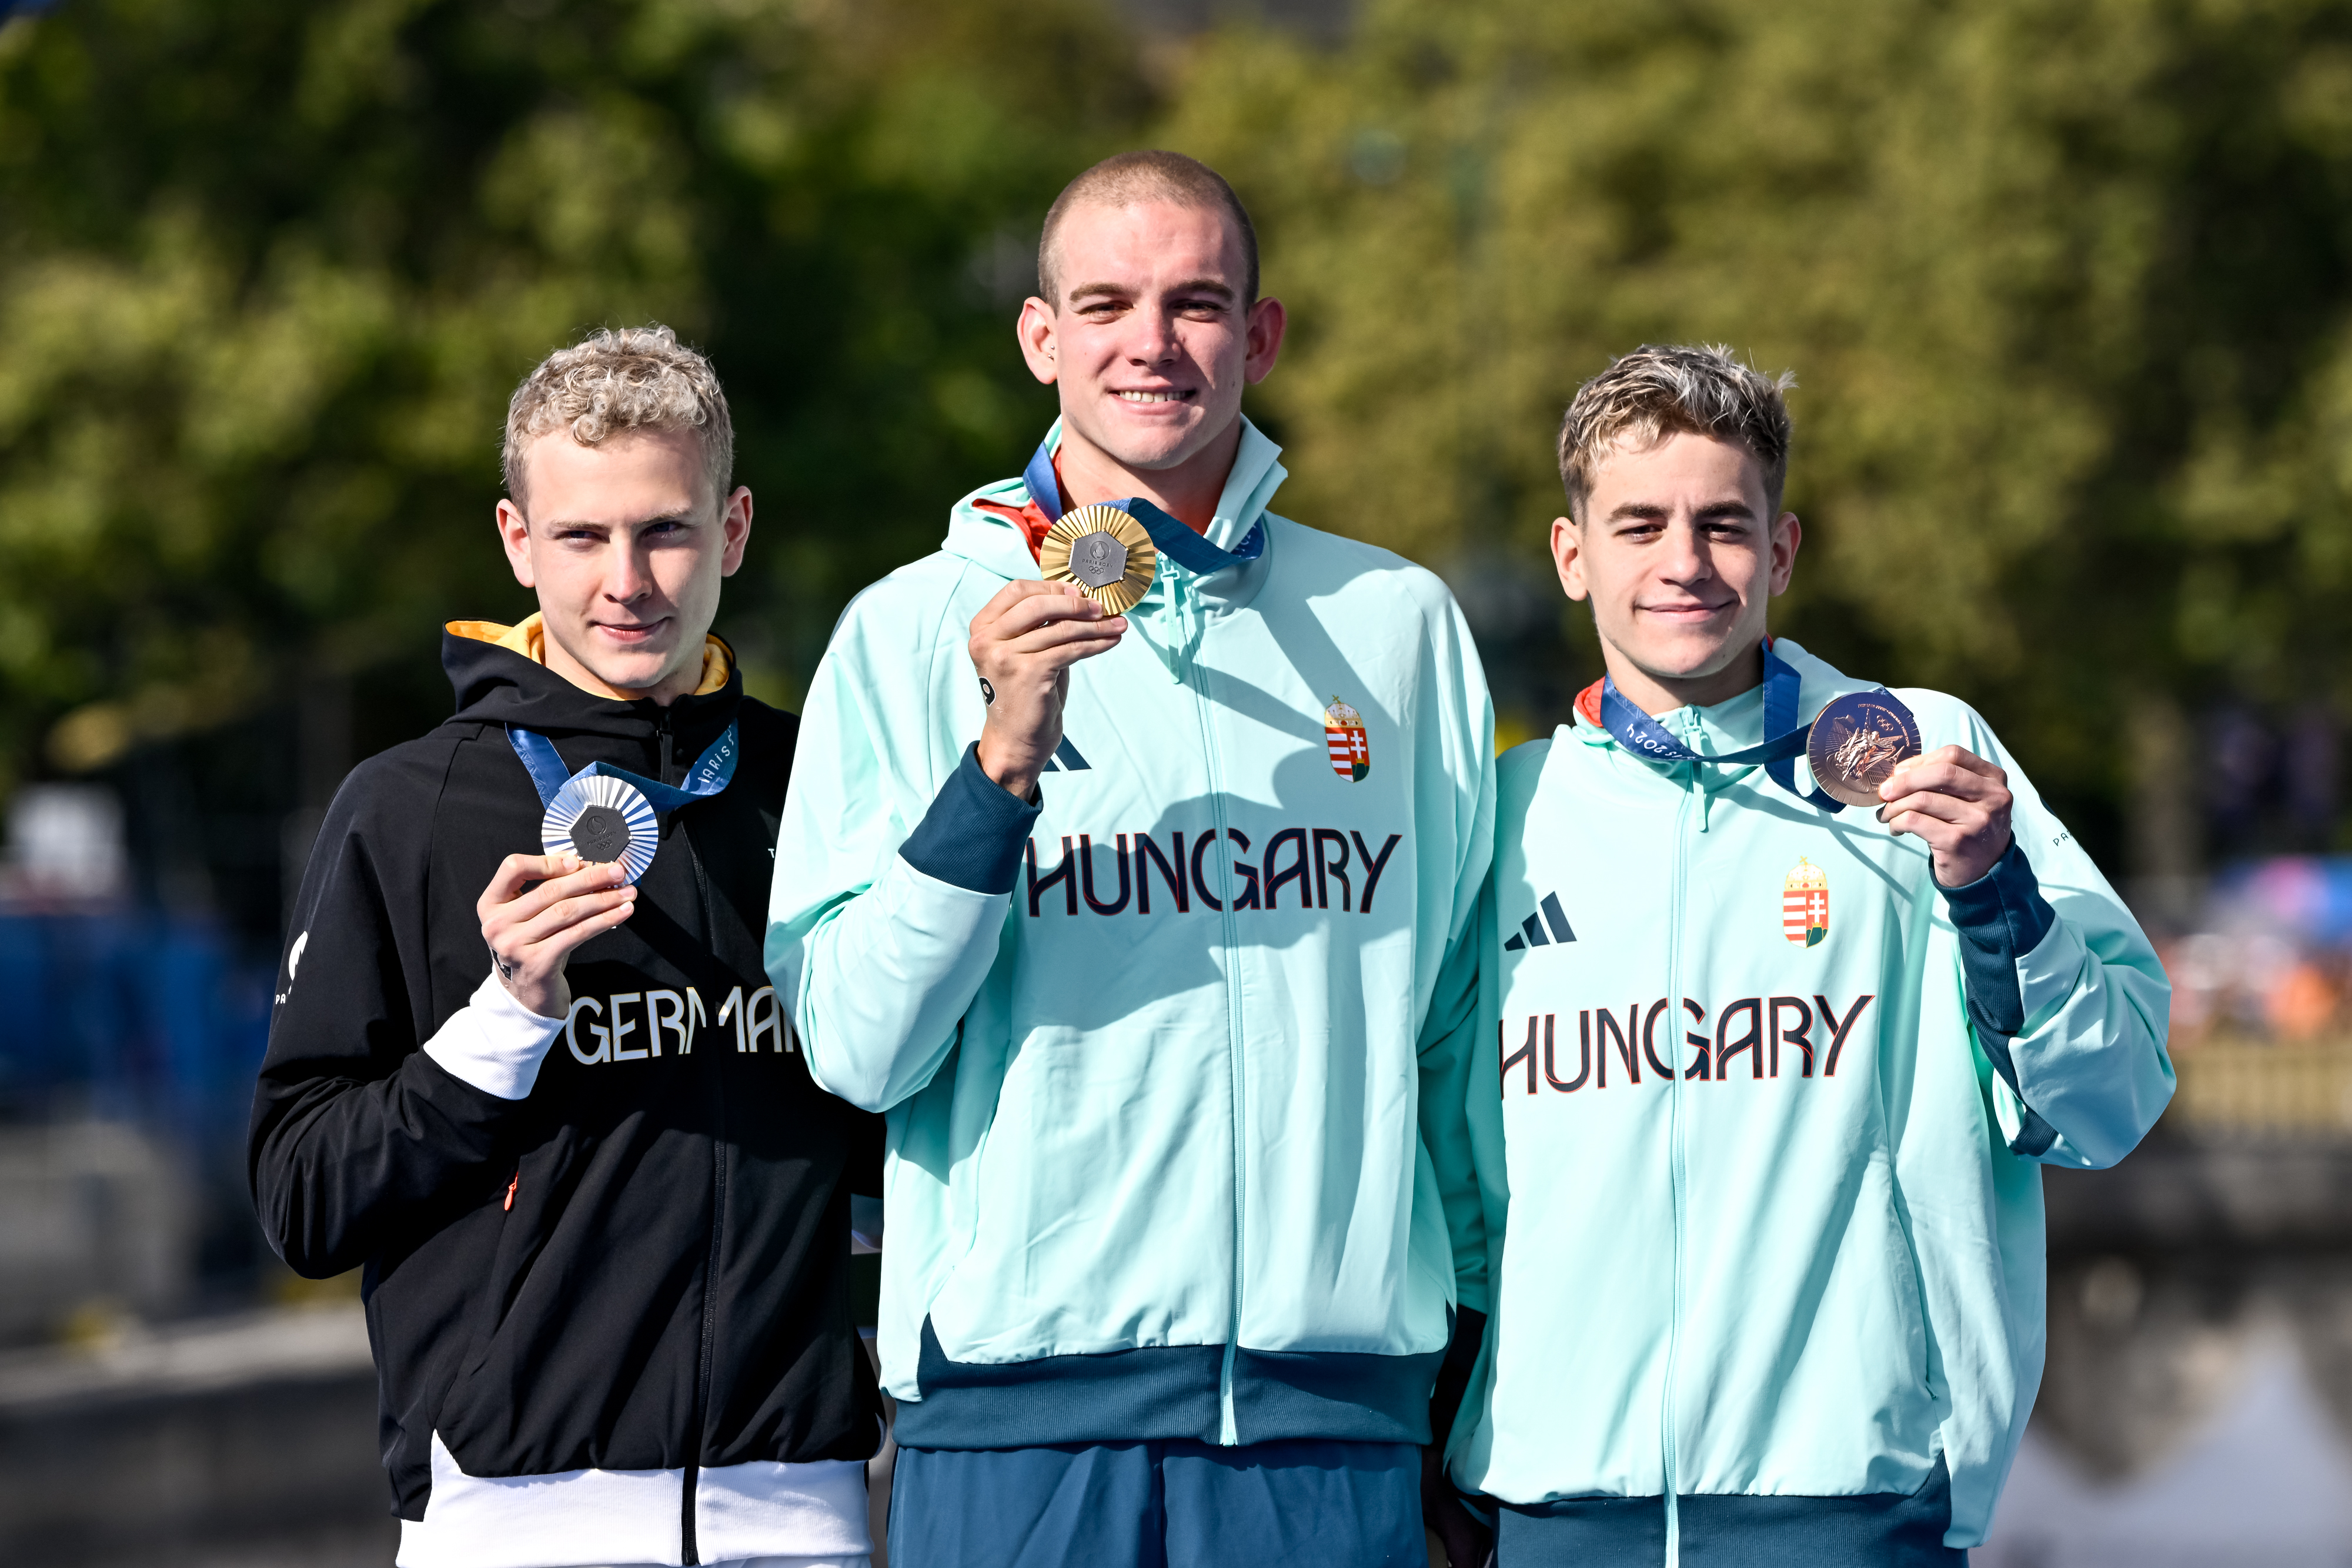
973 835
1455 1372
2000 917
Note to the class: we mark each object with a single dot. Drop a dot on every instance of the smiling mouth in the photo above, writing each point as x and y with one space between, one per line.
1153 396
632 633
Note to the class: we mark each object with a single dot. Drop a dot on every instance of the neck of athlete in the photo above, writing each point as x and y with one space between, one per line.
1659 692
1186 491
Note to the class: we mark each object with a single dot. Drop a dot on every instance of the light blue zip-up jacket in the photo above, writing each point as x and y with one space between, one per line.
1152 1055
1760 1140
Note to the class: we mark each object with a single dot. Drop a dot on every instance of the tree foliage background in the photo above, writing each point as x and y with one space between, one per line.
2068 290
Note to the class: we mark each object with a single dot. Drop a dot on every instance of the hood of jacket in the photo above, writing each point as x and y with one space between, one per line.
499 675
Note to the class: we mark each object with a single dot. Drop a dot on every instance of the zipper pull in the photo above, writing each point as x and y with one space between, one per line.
507 1206
665 744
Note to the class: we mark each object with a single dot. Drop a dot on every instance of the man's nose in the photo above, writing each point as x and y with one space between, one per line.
1155 341
626 576
1687 559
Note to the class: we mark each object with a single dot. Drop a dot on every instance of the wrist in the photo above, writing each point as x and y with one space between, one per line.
549 998
1011 768
1964 870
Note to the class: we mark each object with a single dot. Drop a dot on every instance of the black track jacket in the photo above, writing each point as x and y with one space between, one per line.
640 1265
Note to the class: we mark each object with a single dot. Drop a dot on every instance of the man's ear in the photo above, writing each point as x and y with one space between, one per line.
514 537
735 528
1787 535
1267 321
1035 331
1567 555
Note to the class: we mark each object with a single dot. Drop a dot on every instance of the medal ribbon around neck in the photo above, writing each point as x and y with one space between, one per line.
1639 733
1165 537
603 813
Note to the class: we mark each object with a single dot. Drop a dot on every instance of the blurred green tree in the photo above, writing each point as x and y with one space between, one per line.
269 270
2069 290
2067 287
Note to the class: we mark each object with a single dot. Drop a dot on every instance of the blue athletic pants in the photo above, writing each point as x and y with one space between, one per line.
1168 1503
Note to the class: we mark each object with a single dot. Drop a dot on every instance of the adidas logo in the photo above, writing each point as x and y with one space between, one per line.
1065 759
1532 931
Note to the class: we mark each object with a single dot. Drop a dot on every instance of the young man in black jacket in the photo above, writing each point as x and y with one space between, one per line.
526 1069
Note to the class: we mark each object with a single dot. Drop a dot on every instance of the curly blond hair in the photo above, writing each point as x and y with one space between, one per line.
1659 390
614 380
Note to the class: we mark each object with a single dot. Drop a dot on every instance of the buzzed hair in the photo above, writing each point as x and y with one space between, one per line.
1660 390
1127 178
614 380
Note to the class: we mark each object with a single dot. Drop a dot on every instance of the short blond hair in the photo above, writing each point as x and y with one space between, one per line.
1659 390
621 379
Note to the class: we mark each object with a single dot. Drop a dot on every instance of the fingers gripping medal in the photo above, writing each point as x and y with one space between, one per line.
1105 552
1858 742
603 819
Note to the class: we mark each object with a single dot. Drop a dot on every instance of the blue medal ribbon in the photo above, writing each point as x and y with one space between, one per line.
711 773
1645 737
1170 538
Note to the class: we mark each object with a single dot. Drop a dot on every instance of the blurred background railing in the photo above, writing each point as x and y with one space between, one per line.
2266 1092
2068 289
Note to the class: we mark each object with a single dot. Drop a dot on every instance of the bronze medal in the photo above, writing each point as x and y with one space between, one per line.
1858 742
1105 552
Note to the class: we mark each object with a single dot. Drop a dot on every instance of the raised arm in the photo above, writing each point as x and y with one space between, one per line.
892 880
2065 995
359 1135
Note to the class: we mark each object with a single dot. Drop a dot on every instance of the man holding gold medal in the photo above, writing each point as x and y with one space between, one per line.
524 1068
1777 1061
1076 882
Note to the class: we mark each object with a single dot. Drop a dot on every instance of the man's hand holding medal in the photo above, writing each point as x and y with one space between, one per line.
1958 803
537 909
1864 749
1024 643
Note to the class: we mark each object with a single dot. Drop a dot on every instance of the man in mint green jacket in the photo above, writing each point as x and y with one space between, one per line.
1133 923
1760 1146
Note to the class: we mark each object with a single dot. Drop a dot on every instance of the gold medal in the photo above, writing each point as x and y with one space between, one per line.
1105 552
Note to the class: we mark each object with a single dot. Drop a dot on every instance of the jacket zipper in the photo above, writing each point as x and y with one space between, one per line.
1228 1431
1676 1174
690 1554
690 1550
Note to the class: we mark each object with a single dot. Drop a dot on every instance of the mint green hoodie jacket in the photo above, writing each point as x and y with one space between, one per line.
1153 1052
1760 1142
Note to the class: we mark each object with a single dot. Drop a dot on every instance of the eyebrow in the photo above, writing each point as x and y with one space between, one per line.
684 516
1120 291
1656 511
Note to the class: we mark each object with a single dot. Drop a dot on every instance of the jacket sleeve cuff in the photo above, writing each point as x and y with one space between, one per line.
494 1042
2000 917
973 835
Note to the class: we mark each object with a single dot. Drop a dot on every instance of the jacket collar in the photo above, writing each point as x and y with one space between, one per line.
998 546
499 679
1728 725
